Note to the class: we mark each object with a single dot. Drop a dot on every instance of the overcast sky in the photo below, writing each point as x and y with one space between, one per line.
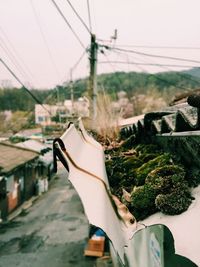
40 48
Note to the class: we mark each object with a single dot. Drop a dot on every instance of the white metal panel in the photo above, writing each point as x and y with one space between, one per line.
84 154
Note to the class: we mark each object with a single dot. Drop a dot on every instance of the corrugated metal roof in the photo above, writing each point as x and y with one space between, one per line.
12 156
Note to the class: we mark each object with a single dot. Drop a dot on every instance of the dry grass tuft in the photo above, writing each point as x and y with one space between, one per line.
106 122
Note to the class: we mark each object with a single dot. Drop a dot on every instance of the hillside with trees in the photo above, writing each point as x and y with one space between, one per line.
166 84
17 99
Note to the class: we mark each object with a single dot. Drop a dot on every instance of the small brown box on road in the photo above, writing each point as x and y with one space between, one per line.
95 247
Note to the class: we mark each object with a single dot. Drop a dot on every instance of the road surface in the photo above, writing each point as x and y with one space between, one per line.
51 233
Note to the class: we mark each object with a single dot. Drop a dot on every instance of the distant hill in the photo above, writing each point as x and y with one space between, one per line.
134 82
193 72
112 83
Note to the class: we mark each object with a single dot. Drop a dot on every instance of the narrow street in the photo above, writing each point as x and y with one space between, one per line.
51 233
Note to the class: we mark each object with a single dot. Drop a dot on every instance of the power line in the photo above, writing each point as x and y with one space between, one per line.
168 82
152 55
139 66
112 66
13 58
161 47
44 38
148 64
68 24
166 68
82 21
89 15
23 86
78 61
157 77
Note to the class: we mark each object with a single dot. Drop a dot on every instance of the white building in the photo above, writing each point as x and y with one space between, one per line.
44 113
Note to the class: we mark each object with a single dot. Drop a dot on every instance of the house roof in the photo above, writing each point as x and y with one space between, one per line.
12 157
33 145
174 119
29 132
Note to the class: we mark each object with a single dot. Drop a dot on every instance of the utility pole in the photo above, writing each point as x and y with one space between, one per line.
92 90
72 91
58 103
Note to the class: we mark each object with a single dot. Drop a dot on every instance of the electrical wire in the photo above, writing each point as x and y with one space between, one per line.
44 39
148 64
23 86
78 61
68 24
112 66
166 67
161 47
159 78
152 55
167 82
79 17
13 58
89 15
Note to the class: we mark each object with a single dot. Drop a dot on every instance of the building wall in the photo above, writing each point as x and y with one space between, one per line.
17 187
12 192
30 176
3 199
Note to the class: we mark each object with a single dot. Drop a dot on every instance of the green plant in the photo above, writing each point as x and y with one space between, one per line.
146 168
175 202
143 201
163 179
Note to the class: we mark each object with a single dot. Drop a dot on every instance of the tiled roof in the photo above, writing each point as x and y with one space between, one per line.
178 118
12 157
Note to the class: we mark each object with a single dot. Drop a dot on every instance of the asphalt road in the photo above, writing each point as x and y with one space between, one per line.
52 232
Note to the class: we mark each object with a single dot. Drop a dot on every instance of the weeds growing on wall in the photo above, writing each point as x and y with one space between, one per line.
154 180
105 125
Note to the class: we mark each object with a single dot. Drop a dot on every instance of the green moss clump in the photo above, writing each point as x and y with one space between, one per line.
165 189
156 183
143 201
164 179
142 172
175 202
132 162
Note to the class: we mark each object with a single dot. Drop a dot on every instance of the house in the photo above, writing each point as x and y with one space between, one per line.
44 113
19 170
45 159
